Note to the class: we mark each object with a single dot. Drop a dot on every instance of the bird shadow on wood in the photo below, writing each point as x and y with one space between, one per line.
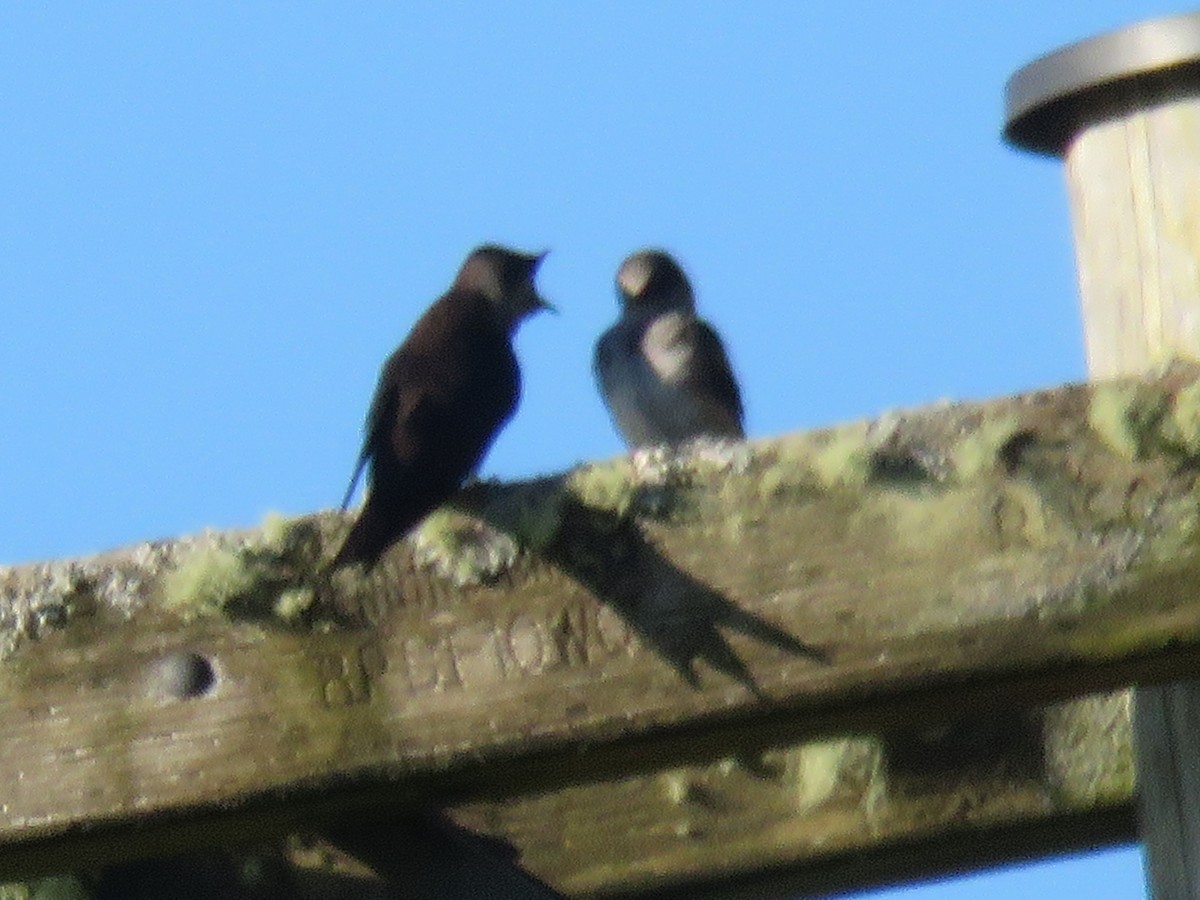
675 614
428 856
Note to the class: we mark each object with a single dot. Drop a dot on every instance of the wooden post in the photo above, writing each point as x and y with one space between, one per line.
1123 112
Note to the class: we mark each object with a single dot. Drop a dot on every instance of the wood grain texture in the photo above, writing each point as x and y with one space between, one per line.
622 669
1134 181
1134 187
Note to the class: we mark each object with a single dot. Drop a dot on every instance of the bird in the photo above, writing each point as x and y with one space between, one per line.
662 370
442 397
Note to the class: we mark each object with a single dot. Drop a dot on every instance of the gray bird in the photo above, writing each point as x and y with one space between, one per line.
442 398
661 369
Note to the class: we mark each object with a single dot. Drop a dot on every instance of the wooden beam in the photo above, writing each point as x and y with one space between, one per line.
898 592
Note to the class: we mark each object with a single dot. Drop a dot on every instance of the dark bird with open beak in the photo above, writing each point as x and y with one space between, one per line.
441 399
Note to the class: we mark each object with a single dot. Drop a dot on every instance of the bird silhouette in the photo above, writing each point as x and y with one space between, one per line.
662 370
442 397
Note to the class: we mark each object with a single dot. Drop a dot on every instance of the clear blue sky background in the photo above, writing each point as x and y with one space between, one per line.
216 220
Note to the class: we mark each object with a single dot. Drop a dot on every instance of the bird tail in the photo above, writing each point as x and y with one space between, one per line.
358 470
369 537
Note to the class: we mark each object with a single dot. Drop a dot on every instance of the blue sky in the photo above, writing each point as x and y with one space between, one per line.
217 219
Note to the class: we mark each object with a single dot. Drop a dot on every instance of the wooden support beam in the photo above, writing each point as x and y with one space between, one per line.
817 654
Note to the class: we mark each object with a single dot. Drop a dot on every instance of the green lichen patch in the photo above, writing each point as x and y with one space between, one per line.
1181 429
1089 751
665 483
846 458
706 455
609 487
263 574
665 479
1180 540
1136 420
786 471
292 603
978 451
479 535
207 580
462 548
1128 417
53 887
297 542
816 771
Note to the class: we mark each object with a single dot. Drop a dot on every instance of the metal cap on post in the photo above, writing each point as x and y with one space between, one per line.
1123 112
1058 95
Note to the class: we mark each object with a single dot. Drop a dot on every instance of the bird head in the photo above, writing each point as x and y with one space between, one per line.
506 278
650 282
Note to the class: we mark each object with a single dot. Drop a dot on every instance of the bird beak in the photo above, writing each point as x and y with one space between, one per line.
542 302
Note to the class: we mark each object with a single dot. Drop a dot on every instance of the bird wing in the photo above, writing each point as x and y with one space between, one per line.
626 384
607 349
396 397
411 388
715 378
402 395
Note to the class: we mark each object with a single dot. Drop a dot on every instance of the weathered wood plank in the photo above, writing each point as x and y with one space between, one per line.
665 611
836 814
